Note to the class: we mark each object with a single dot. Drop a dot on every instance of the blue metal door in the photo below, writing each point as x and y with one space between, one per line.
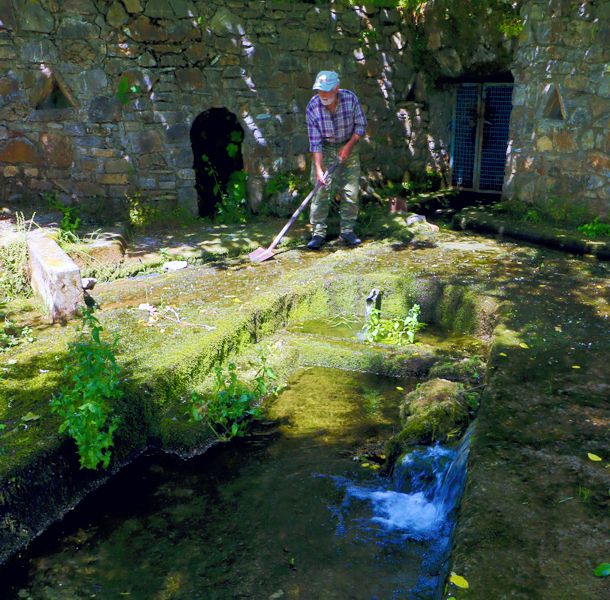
480 136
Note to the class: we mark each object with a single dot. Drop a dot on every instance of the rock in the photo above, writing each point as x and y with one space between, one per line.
422 232
89 283
431 411
33 17
175 265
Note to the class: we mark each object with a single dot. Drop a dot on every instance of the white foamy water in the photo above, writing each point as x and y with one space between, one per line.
421 497
399 511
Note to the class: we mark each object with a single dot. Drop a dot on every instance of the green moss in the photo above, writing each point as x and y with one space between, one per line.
457 309
432 411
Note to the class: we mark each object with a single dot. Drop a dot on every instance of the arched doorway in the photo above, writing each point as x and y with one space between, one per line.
216 137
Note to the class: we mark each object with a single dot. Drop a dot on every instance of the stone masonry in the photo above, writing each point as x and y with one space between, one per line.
98 97
560 125
179 58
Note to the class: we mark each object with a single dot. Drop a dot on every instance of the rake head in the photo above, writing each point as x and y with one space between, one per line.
260 255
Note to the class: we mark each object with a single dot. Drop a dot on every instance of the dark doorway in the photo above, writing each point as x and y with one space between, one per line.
480 136
216 137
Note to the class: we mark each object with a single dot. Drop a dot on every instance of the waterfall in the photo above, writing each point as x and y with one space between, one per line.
423 494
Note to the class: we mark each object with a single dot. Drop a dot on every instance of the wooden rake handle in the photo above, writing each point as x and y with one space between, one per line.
299 210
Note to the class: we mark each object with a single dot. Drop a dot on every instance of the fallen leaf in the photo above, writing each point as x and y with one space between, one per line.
459 581
365 464
400 389
576 366
30 416
602 570
503 354
558 328
594 457
236 300
523 345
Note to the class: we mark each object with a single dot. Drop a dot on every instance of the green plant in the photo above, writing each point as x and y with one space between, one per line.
141 214
92 385
12 335
595 229
393 331
233 145
531 216
473 367
233 206
14 278
70 220
584 493
227 410
126 90
472 399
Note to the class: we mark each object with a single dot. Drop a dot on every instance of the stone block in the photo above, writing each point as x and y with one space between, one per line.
320 41
133 6
117 165
116 15
20 151
58 149
77 28
141 29
109 248
33 17
39 51
224 22
104 109
544 144
190 79
145 142
79 7
8 20
55 277
113 179
188 200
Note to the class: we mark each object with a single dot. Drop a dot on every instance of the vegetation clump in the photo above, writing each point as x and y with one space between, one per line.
595 229
396 331
14 276
92 385
233 402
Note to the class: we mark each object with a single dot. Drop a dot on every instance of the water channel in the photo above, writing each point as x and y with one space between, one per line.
293 511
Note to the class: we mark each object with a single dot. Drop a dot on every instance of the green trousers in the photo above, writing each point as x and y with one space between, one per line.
346 181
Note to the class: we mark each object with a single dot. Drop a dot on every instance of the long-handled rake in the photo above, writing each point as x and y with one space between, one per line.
262 254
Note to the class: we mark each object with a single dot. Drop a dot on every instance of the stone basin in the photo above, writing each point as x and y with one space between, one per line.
534 502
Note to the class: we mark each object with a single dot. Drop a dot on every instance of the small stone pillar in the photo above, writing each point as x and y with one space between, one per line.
55 277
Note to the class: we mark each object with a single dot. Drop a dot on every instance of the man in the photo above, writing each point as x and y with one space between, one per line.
335 123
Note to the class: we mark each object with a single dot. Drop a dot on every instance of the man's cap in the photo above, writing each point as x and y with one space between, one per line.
326 81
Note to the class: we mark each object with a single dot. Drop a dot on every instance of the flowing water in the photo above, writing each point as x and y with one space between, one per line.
293 511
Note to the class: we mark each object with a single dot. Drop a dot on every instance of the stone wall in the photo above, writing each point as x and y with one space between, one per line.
68 124
559 152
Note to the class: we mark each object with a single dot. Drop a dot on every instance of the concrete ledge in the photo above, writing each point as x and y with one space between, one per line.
482 221
55 277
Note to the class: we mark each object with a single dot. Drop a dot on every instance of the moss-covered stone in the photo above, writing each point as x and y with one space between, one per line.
431 411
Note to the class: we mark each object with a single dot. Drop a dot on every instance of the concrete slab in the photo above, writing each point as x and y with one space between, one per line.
55 277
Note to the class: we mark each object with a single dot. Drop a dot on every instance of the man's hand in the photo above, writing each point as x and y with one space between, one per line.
344 152
320 176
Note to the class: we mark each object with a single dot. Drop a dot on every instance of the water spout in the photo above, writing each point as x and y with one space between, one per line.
373 302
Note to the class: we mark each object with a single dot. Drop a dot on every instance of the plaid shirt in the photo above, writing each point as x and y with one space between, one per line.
335 128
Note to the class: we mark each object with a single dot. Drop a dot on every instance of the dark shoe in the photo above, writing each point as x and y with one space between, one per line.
349 238
316 242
